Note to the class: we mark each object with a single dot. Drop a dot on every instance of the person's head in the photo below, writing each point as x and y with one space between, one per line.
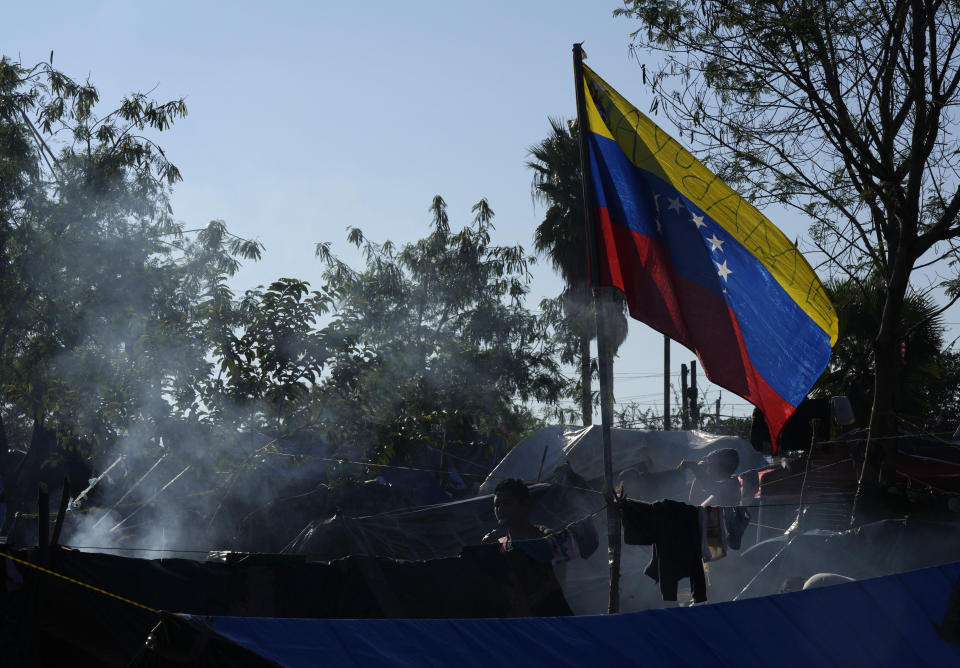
511 502
721 464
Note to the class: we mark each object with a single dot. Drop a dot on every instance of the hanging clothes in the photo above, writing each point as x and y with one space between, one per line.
673 528
713 534
736 519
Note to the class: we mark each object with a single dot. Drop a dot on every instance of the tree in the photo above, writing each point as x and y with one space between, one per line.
270 356
943 415
555 163
430 343
97 288
842 109
851 369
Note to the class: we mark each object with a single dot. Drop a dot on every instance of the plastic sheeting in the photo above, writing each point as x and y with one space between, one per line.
582 449
438 531
887 621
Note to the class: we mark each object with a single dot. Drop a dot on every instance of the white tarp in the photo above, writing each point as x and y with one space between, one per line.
582 448
585 582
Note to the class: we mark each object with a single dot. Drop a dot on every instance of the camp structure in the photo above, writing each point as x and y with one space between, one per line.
910 618
406 585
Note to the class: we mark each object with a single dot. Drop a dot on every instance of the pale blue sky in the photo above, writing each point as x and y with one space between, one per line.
305 118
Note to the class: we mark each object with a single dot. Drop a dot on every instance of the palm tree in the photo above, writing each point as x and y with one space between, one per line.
859 306
561 236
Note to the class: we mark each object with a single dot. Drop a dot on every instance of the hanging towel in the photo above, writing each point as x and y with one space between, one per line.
713 536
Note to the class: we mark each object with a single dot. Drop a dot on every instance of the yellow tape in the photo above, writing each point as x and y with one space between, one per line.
82 584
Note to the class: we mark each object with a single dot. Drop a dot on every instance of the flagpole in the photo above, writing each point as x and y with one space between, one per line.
606 409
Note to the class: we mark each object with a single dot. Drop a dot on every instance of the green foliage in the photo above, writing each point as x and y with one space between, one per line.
926 375
431 342
270 355
100 290
118 326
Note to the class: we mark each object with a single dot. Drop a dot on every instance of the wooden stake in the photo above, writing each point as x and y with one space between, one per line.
61 512
43 522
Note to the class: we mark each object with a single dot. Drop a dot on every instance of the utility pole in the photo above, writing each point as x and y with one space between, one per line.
694 404
666 383
684 402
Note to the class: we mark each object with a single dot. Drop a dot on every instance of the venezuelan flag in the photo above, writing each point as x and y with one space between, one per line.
700 264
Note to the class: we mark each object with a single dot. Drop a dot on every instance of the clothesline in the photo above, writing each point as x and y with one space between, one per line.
341 460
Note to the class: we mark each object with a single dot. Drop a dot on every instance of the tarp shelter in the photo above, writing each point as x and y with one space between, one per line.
582 449
443 530
872 550
896 620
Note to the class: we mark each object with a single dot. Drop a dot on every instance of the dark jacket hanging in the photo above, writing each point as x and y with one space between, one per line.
673 530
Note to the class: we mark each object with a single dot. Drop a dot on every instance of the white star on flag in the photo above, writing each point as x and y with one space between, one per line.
698 221
723 270
675 204
716 244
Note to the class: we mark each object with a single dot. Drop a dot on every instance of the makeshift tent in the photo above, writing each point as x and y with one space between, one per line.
879 548
582 449
897 620
440 530
444 530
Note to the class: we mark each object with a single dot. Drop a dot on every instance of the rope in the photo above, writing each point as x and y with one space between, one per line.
406 468
397 467
119 506
767 526
818 468
926 484
81 584
340 460
923 432
858 439
152 549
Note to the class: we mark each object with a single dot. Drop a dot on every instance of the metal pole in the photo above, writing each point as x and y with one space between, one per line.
684 399
666 383
716 416
606 409
694 403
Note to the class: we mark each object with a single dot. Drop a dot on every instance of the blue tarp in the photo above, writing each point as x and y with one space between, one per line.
886 621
